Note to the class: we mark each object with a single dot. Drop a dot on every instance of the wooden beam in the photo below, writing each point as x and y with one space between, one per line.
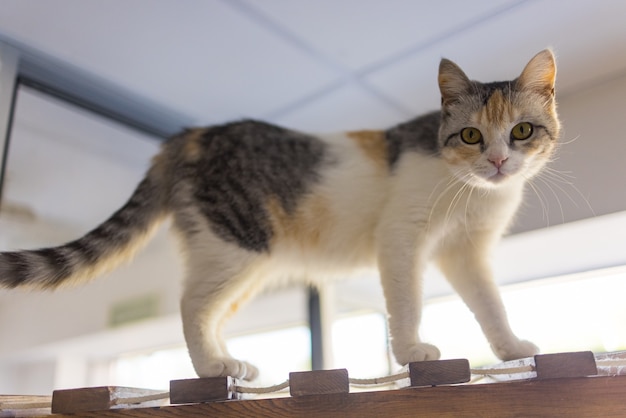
579 397
69 401
439 372
319 382
204 389
579 364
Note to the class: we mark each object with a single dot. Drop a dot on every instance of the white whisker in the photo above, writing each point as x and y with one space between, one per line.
576 138
467 202
453 181
556 197
561 176
455 201
571 184
542 202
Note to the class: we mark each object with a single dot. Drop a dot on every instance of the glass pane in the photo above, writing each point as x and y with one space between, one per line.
360 345
67 170
584 312
152 370
275 353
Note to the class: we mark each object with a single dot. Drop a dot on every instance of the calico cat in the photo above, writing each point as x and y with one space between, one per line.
255 203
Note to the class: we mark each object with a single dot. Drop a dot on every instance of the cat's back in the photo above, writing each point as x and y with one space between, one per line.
267 159
265 187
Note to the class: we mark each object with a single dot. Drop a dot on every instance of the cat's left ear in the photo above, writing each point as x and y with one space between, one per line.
452 82
539 74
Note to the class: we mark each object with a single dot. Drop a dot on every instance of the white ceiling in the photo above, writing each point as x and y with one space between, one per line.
316 65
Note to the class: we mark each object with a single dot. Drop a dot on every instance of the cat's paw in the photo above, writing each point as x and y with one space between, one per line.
516 349
417 352
228 367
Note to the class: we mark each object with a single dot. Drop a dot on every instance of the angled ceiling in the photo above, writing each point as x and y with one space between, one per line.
315 65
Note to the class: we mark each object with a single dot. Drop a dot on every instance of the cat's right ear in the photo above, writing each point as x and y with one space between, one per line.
452 82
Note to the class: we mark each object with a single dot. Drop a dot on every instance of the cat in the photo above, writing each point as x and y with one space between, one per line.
254 203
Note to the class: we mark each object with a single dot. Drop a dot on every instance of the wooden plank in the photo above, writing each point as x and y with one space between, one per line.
24 405
562 365
319 382
439 372
576 397
100 398
204 389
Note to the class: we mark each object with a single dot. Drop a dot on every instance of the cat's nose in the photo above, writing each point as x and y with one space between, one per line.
498 161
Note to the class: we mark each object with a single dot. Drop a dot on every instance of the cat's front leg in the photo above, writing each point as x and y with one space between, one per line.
401 268
465 262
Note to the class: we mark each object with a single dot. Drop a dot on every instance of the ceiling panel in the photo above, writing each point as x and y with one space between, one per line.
360 33
346 108
199 57
589 43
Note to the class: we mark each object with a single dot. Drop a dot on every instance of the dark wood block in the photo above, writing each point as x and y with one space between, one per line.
100 398
439 372
553 366
319 382
203 389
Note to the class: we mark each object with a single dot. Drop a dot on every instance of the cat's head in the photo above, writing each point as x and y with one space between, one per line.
494 133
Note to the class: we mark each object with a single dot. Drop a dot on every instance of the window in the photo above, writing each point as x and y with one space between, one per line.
571 313
360 344
276 353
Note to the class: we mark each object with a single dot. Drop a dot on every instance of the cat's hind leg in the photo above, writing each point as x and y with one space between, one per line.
215 288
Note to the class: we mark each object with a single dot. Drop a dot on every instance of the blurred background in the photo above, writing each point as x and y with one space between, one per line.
89 88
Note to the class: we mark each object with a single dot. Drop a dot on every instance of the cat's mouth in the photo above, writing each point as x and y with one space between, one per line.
493 180
499 177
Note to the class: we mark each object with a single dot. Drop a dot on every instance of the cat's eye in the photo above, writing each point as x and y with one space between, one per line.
471 136
522 130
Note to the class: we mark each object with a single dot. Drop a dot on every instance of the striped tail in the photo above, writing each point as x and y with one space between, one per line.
104 248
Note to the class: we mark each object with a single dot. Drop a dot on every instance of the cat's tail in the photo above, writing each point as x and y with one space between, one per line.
114 241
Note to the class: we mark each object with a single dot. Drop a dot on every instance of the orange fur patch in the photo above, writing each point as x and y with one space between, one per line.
192 148
458 155
306 225
373 144
497 111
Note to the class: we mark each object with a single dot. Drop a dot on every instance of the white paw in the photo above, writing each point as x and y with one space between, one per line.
417 352
515 350
228 367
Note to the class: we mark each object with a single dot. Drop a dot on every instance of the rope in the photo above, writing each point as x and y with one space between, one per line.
261 390
379 380
141 399
503 370
611 363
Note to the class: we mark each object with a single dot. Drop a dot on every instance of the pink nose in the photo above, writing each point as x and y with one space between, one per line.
498 161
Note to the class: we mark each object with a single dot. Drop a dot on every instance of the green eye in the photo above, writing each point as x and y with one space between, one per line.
522 130
471 136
